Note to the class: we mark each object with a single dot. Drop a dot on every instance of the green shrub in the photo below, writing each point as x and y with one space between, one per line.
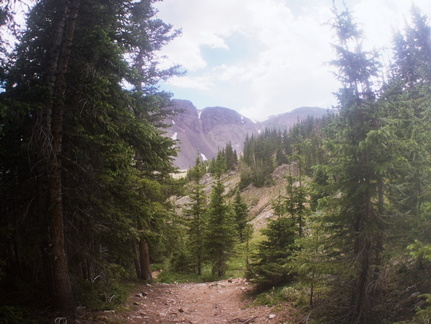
270 297
182 262
17 315
171 277
270 263
104 292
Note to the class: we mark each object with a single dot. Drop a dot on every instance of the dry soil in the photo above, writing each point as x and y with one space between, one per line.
227 301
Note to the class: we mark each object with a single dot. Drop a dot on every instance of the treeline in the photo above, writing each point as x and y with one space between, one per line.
84 167
352 241
226 160
265 152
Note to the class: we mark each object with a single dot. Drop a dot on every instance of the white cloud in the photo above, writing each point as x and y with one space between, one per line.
186 52
186 82
286 65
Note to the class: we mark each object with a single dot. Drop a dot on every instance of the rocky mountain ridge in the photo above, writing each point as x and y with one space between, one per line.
205 132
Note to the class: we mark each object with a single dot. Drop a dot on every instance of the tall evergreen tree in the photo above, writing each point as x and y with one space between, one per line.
271 266
413 51
220 230
296 201
231 156
408 94
241 213
196 213
356 165
86 144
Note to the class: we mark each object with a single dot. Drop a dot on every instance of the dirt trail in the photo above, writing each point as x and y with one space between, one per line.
199 303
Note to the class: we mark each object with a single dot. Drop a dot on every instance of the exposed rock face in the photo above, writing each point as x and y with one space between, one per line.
204 132
223 125
260 200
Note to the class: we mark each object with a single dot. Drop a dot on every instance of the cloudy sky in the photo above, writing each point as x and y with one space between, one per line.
265 57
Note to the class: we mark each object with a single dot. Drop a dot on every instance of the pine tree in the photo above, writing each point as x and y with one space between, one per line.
196 216
356 165
271 264
241 213
220 231
231 157
310 263
296 201
413 51
80 136
408 94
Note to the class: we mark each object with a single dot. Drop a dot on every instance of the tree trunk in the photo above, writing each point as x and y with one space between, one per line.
144 260
379 239
43 143
219 265
62 285
311 290
143 268
136 259
363 253
144 272
199 265
361 299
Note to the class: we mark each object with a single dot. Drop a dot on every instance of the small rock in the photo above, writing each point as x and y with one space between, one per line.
271 316
181 310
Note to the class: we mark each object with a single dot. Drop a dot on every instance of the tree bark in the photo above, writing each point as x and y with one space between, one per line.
144 260
136 259
144 272
63 293
363 252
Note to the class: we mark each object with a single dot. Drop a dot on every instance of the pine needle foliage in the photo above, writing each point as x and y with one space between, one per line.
221 230
270 266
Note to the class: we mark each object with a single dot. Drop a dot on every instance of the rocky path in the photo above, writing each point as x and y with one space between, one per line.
224 301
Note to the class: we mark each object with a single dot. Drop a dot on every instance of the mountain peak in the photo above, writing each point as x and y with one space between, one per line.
204 132
220 116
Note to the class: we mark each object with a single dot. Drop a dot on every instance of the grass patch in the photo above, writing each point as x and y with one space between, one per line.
237 264
293 294
270 298
172 277
168 276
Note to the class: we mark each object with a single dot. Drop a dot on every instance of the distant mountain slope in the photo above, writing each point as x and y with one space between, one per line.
259 200
206 131
287 120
